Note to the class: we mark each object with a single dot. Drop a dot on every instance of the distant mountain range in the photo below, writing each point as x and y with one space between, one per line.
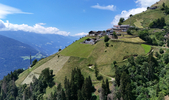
13 55
45 43
16 46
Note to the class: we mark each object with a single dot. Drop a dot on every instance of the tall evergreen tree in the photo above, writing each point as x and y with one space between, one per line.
96 70
80 96
63 96
107 87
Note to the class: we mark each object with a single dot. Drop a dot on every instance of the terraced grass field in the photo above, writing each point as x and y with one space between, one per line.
100 54
23 75
78 49
138 23
103 57
55 64
147 48
135 40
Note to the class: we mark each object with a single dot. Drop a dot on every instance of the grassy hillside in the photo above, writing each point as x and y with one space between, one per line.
102 56
23 75
78 49
143 19
81 55
98 53
147 48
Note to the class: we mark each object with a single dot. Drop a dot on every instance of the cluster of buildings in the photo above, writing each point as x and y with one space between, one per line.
116 28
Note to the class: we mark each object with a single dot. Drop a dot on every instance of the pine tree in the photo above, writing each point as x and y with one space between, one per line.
163 4
96 70
157 90
161 96
79 95
117 76
63 96
107 87
87 89
125 79
4 85
67 88
104 89
168 43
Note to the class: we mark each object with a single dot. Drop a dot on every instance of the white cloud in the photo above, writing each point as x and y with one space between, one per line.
143 4
5 10
80 34
37 28
109 7
125 14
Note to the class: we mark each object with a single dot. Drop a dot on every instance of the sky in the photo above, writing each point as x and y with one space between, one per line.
66 17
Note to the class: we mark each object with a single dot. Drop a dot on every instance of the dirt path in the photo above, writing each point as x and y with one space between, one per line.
55 64
112 79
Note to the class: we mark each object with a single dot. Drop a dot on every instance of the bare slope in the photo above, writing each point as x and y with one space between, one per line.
55 64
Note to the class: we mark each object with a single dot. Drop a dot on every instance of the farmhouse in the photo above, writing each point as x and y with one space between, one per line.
92 33
99 33
95 33
109 31
152 8
90 41
121 28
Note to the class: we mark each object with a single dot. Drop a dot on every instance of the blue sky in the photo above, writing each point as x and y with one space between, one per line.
66 17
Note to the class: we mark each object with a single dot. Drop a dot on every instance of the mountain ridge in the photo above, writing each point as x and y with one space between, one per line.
45 43
11 51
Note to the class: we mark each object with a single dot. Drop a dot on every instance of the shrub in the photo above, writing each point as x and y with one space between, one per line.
160 43
106 38
115 35
129 32
167 43
34 62
157 55
158 23
166 58
107 44
161 51
59 49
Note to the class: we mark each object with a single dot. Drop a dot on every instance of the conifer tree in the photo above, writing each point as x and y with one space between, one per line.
96 70
104 89
107 87
157 90
80 96
63 96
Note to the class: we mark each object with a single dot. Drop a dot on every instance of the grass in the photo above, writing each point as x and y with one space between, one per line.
138 23
56 63
135 40
103 57
161 2
24 74
78 49
147 16
147 48
48 92
125 36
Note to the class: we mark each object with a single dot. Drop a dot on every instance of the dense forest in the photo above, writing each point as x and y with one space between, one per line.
78 88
